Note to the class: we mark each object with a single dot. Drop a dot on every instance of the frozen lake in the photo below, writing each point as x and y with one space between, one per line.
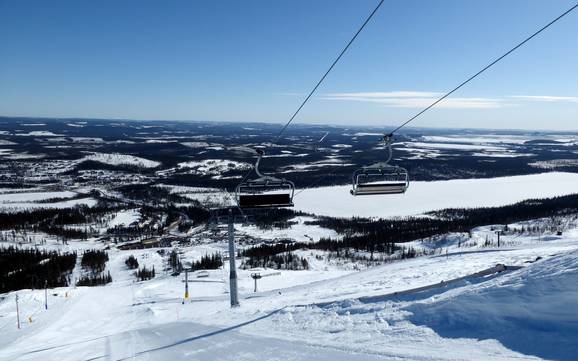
423 197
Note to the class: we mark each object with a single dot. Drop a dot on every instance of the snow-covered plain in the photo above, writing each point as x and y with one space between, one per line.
489 139
17 197
423 197
454 146
39 133
20 200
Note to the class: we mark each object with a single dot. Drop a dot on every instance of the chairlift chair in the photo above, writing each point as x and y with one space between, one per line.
381 177
265 191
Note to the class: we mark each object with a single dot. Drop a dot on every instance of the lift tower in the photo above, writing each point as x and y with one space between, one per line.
230 217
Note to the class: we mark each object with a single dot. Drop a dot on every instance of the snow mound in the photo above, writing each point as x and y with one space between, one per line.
532 311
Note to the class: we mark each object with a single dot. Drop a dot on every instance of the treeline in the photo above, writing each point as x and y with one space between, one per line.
269 249
145 273
33 268
197 215
94 260
121 234
277 256
92 280
175 262
381 236
58 217
141 274
94 263
151 194
138 231
283 261
521 211
263 219
54 221
131 262
275 218
208 261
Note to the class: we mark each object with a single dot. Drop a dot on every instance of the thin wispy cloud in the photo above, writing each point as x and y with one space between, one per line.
546 98
393 94
415 99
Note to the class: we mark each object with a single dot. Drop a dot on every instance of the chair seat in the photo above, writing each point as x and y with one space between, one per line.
377 188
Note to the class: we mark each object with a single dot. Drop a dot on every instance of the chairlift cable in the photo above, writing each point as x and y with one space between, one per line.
484 69
310 94
389 136
263 181
328 71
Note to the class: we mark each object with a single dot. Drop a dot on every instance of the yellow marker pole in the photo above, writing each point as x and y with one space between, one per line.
186 284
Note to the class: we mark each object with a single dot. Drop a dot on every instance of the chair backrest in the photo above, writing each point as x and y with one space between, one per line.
265 200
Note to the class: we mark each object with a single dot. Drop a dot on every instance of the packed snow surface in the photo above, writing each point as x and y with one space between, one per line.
423 197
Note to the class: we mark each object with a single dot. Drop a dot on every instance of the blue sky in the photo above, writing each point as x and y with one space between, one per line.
255 61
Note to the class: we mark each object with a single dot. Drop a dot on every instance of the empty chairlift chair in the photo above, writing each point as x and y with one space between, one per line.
265 191
380 178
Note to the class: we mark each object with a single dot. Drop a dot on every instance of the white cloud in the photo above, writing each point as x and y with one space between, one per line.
415 99
546 98
394 94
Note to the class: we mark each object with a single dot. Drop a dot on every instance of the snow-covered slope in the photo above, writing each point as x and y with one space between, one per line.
325 314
